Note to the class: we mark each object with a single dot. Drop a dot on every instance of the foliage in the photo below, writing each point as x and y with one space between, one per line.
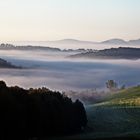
38 113
111 85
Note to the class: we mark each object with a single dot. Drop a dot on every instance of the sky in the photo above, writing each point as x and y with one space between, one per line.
93 20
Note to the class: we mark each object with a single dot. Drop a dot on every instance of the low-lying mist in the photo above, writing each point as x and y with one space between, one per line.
53 70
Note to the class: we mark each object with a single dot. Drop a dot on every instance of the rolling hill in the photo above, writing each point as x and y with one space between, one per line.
5 64
115 42
128 97
112 119
113 53
38 48
116 116
72 43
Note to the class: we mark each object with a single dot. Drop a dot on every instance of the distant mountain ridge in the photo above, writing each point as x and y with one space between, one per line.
109 41
70 44
122 42
72 41
114 41
134 42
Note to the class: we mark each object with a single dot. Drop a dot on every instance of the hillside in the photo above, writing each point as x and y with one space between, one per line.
112 120
35 113
127 97
26 47
39 48
5 64
113 53
117 117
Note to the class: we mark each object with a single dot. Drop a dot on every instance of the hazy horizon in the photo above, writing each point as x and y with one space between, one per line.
91 20
61 39
72 44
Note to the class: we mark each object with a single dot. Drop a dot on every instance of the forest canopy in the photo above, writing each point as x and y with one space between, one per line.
38 113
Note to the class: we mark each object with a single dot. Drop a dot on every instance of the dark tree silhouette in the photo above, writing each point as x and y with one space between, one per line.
38 113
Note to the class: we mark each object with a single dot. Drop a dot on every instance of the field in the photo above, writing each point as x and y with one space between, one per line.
118 116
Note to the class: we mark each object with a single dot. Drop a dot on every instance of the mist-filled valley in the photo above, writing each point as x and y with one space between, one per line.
57 72
51 94
69 69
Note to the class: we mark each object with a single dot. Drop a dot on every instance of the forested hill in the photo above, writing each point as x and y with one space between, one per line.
36 113
27 47
5 64
113 53
37 48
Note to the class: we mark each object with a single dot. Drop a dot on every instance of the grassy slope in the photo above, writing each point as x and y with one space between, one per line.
117 117
128 97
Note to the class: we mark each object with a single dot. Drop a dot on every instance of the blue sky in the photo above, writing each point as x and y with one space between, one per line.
94 20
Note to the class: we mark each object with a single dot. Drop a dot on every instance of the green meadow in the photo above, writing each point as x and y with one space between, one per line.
116 117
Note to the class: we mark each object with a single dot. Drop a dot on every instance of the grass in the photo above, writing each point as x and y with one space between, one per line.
127 97
116 117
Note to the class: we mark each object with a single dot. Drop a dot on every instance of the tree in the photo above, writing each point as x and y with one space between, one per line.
38 113
111 85
122 87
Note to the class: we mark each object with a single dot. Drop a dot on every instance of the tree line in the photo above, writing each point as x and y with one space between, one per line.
31 113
